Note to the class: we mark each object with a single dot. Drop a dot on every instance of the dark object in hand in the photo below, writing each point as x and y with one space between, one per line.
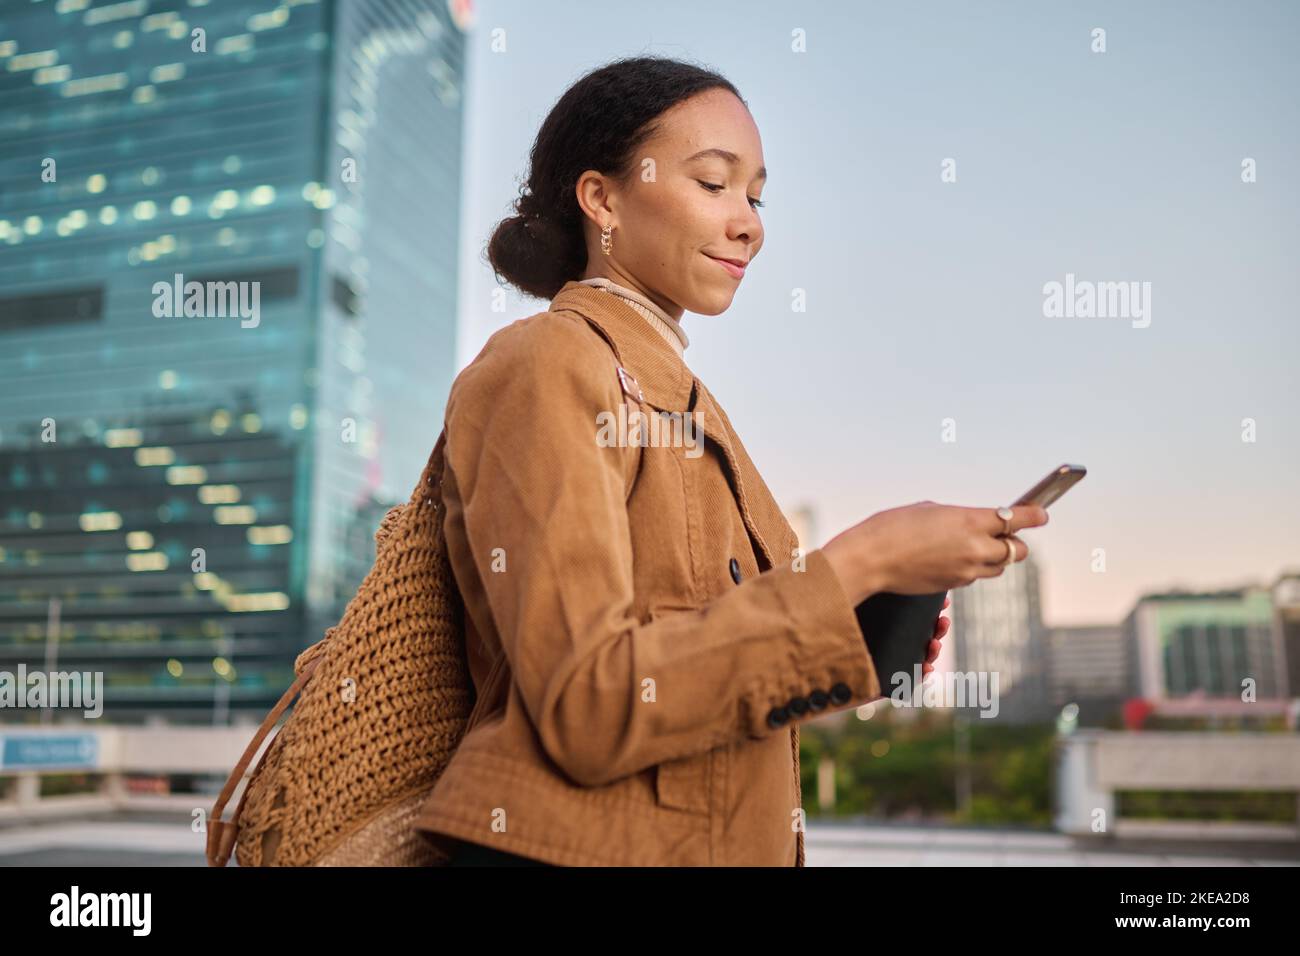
898 629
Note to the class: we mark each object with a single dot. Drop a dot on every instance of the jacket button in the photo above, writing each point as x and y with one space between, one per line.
840 694
818 700
798 706
777 716
735 571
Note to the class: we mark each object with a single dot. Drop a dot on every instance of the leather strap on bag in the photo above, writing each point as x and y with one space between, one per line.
222 833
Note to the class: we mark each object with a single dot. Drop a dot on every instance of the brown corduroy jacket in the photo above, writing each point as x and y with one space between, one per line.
643 634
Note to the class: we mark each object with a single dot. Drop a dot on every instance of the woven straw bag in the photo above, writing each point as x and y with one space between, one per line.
383 701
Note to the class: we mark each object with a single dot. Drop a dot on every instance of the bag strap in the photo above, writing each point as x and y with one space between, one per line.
609 339
430 486
222 833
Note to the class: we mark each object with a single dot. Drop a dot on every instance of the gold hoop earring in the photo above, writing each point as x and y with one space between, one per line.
606 243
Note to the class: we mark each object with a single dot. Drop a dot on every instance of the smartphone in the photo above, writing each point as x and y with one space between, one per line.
898 627
1056 483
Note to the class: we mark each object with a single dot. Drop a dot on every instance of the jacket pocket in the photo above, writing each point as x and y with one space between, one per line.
683 784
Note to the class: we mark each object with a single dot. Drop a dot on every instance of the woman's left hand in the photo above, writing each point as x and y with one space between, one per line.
940 629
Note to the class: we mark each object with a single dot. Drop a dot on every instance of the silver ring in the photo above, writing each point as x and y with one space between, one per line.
1011 553
1006 514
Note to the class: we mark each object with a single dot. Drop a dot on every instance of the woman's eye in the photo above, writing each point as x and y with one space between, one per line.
714 187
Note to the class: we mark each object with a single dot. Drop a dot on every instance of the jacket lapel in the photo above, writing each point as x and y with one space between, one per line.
667 385
763 517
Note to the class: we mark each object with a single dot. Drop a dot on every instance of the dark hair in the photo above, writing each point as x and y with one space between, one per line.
597 124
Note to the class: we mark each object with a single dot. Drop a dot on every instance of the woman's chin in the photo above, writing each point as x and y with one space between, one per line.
713 301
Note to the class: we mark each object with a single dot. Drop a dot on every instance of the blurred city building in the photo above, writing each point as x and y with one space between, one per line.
1085 667
1204 646
1286 625
187 500
997 627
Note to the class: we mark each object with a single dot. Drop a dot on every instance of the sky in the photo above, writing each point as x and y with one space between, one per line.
925 298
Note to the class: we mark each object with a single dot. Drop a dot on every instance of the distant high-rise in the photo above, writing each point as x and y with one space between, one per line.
1286 624
997 627
1206 644
1085 667
188 475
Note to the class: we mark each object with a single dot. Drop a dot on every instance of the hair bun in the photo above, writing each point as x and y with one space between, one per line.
535 254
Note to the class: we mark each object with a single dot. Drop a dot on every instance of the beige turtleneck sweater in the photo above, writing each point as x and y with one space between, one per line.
659 320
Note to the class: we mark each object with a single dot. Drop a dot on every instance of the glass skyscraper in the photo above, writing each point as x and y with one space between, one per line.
188 495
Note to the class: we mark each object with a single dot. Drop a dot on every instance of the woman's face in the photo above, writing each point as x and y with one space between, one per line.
688 203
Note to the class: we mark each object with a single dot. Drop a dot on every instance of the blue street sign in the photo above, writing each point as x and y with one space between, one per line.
44 751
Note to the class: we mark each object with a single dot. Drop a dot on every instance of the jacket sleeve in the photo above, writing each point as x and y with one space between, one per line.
530 478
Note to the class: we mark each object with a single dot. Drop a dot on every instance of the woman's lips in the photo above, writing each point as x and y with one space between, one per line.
736 272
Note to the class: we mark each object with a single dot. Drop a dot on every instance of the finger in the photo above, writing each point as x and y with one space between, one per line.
992 569
926 668
994 550
1022 516
946 601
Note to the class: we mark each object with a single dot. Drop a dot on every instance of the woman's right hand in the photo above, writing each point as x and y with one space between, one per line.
925 548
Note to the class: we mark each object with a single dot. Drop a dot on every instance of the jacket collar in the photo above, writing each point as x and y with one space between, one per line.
663 376
667 384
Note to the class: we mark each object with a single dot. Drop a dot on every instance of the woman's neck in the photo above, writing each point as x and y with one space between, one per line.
661 321
670 309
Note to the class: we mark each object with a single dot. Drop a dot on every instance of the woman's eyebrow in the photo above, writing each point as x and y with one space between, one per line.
727 155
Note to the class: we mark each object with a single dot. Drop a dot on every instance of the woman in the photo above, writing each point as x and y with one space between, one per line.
644 635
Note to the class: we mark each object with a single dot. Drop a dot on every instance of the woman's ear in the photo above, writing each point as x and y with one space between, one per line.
595 198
